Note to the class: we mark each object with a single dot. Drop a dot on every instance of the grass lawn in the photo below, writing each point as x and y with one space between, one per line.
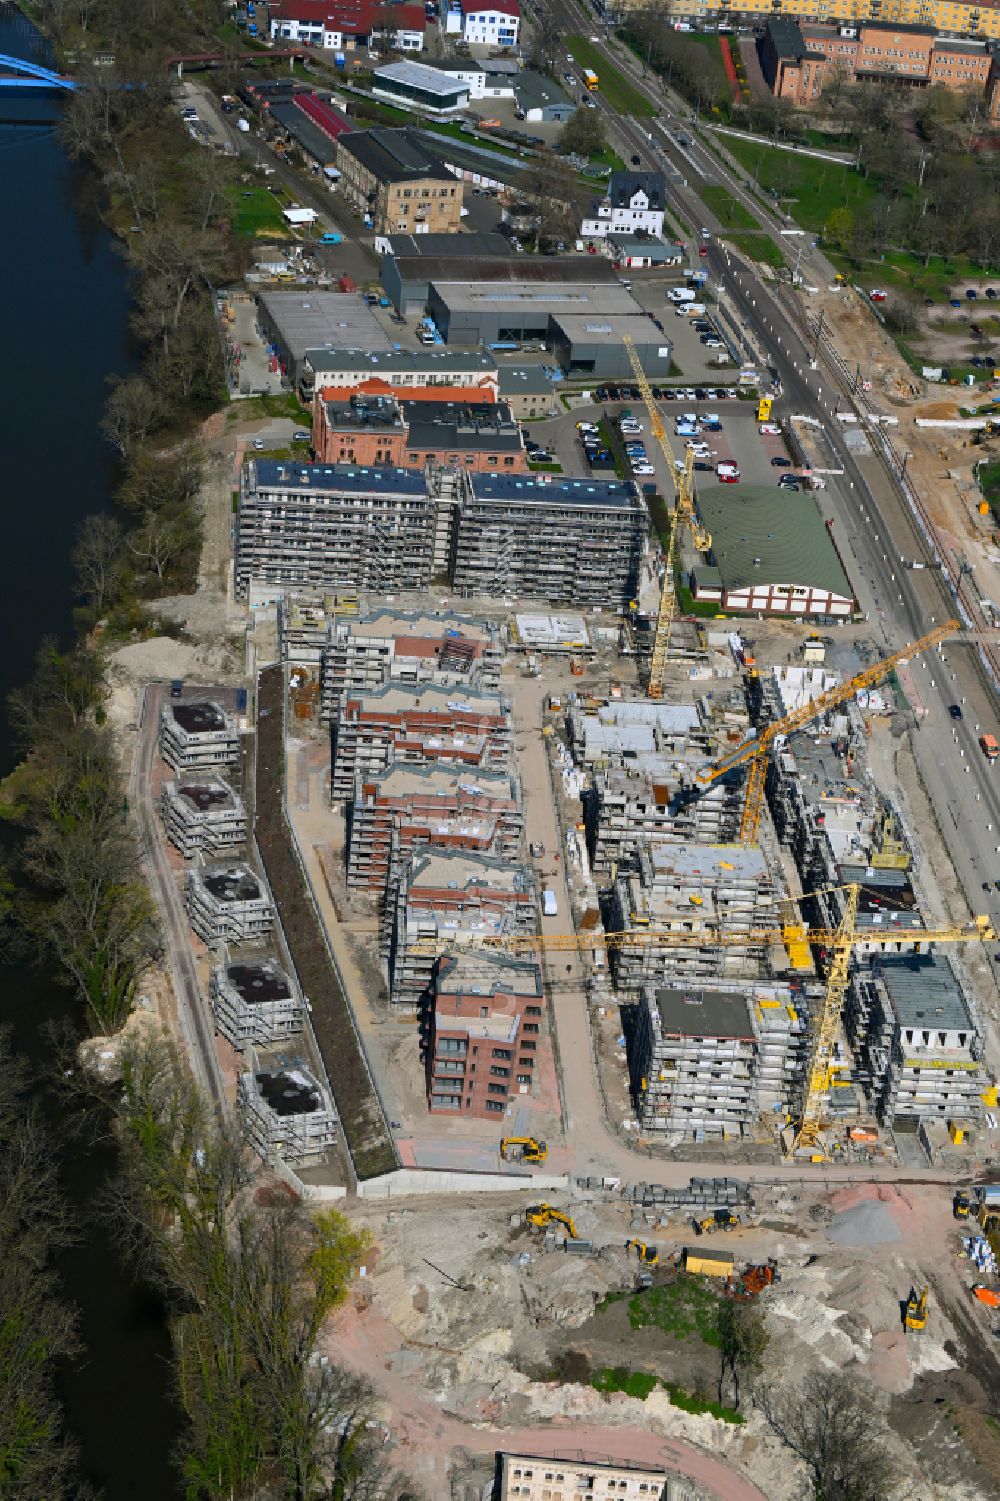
620 94
906 272
620 1379
687 1403
758 247
989 483
607 158
683 1308
810 189
728 209
254 211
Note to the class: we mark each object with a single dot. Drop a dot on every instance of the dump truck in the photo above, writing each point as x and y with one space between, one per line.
989 747
648 1255
523 1149
915 1317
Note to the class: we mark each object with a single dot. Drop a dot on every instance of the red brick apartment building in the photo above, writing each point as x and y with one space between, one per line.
479 436
480 1034
797 58
405 807
423 722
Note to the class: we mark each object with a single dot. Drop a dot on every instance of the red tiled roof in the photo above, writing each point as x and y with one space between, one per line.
356 17
502 7
327 119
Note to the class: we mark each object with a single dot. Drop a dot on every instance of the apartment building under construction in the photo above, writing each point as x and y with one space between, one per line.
404 807
422 722
409 646
710 1060
627 811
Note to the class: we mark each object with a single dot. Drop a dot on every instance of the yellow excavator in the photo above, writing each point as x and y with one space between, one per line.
648 1255
722 1219
523 1149
540 1215
915 1318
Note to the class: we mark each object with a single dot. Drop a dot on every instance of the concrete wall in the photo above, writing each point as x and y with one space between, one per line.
415 1180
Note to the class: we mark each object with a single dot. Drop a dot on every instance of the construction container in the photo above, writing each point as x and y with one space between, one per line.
705 1263
956 1132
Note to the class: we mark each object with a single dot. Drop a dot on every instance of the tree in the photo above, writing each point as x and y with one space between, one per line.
134 410
583 133
97 558
549 184
743 1341
834 1422
838 230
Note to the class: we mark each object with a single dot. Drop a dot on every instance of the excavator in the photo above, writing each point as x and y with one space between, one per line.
722 1219
915 1318
540 1215
523 1149
648 1255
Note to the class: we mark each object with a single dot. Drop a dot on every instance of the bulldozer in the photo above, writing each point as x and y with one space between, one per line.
648 1255
540 1215
722 1219
915 1317
523 1149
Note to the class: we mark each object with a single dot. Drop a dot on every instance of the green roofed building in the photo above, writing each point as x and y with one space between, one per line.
772 552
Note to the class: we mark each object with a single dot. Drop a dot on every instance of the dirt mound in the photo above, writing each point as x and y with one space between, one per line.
938 411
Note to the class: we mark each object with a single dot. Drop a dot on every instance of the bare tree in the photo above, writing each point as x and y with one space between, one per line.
134 410
834 1422
97 558
743 1342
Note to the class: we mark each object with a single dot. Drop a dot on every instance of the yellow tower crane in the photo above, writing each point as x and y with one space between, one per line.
838 942
757 749
683 514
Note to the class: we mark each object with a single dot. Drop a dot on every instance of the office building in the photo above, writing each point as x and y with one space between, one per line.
384 430
345 27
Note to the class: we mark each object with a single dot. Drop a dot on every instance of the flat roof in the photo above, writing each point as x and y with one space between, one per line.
556 490
402 778
511 290
523 380
206 793
535 91
470 156
422 76
704 1013
923 991
314 142
604 328
400 361
259 982
461 430
343 479
431 247
387 624
486 974
328 320
199 717
231 883
290 1092
459 870
712 862
782 530
433 698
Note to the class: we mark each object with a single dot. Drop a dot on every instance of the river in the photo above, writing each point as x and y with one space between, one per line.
66 326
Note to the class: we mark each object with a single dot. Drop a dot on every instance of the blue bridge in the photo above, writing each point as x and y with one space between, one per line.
15 73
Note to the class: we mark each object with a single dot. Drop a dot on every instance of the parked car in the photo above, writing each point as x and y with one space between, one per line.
643 469
301 436
971 294
702 466
769 430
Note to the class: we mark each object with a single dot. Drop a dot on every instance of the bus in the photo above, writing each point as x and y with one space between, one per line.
590 78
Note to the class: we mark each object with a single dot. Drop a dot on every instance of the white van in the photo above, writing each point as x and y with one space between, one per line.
550 907
681 294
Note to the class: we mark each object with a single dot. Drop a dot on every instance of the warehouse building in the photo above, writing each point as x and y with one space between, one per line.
197 735
383 430
422 722
442 900
508 301
296 322
772 553
294 127
288 1113
203 815
707 1062
227 903
331 528
479 1033
566 541
396 183
401 369
698 890
593 345
541 100
404 807
409 262
410 646
255 1003
920 1051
